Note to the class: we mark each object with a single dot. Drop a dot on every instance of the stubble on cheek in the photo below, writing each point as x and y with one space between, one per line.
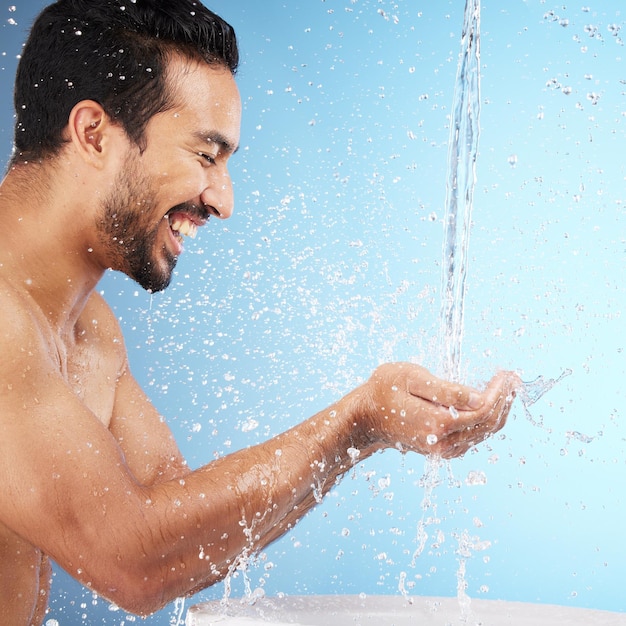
130 236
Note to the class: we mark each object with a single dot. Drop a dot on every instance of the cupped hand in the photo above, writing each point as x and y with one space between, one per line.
411 409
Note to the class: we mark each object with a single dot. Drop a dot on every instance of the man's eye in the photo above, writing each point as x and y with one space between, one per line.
208 158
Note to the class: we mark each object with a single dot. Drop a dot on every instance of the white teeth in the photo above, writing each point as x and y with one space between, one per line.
184 227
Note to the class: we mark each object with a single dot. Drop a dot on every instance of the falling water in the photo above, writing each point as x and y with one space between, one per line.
177 618
462 154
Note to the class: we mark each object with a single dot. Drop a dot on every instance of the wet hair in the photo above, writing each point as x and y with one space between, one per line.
114 52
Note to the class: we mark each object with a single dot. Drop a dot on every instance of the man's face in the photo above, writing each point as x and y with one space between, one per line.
179 181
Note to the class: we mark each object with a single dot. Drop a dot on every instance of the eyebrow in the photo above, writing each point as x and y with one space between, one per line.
218 138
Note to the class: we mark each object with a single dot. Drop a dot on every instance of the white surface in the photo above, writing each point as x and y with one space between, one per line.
393 611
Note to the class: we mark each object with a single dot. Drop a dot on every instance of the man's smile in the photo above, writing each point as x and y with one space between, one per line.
185 220
180 226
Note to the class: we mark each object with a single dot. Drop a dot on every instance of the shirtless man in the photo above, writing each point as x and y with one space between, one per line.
127 115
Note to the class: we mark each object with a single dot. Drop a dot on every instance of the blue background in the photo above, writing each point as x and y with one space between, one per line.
331 265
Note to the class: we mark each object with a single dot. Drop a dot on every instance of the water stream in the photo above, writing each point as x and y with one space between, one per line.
461 180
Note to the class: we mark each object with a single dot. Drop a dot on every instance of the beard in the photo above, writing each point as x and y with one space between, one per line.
128 232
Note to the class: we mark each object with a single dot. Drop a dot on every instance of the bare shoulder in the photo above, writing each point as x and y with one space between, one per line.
88 362
25 328
97 360
99 321
22 329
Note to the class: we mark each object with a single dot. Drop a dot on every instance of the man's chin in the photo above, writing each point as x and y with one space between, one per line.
154 279
157 287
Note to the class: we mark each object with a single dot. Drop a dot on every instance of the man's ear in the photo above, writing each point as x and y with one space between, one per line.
90 129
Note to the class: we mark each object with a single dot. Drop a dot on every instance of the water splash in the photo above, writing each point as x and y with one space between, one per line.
177 618
436 470
462 155
467 545
534 389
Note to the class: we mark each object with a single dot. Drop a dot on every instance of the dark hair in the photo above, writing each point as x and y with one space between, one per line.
114 52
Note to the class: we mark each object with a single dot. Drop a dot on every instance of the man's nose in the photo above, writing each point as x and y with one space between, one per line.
219 196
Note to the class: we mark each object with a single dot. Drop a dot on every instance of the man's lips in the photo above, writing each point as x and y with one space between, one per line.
185 220
182 225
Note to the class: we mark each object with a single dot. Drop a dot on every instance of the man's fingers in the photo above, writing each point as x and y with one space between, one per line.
433 416
448 394
498 397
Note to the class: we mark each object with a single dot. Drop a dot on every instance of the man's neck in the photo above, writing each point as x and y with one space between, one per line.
44 241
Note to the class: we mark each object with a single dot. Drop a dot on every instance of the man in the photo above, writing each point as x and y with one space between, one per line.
127 114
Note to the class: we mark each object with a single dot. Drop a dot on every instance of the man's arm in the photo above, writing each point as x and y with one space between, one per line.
141 537
144 437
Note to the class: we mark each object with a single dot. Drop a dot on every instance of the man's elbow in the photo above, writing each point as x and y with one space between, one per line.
143 593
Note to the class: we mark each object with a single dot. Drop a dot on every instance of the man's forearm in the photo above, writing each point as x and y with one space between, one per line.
244 501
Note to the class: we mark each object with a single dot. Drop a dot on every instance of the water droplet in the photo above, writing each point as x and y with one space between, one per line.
354 454
431 440
476 477
574 434
593 97
249 425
